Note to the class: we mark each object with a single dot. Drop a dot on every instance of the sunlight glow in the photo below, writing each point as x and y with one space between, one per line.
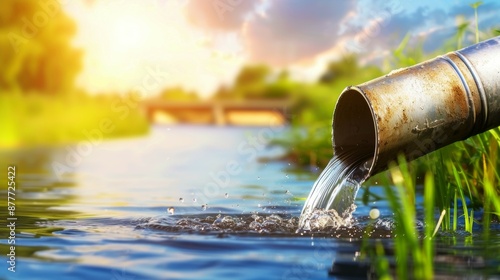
124 40
127 33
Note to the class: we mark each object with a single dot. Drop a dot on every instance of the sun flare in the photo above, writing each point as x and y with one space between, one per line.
128 33
124 40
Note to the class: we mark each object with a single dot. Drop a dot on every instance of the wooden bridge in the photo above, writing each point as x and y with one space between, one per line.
219 112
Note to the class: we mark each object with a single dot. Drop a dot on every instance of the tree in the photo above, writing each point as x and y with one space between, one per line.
251 83
252 74
35 47
346 66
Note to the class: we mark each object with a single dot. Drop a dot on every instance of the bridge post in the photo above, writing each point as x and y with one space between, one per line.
218 113
149 113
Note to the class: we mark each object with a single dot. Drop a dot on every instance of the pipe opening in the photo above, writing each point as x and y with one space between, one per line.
354 126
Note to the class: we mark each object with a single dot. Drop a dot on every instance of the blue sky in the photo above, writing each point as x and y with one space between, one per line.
202 44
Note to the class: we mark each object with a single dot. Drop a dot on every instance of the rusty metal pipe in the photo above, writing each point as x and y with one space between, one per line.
422 108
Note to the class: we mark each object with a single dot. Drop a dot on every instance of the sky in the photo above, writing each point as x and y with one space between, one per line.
202 44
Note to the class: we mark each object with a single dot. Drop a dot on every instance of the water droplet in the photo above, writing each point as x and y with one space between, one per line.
226 195
181 199
204 207
194 199
286 176
171 210
258 205
258 178
374 213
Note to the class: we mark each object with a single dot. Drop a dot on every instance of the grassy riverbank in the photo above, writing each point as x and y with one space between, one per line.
41 120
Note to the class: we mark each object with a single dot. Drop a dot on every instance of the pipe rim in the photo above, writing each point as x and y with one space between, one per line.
355 125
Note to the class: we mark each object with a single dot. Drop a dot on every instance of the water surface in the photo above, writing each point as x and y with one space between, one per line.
105 216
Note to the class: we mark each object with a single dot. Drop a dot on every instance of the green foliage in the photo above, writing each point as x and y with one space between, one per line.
345 67
413 253
475 6
461 29
35 120
251 75
36 53
404 56
462 172
446 180
408 249
308 145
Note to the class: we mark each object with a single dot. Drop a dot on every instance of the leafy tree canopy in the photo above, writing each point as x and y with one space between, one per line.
36 54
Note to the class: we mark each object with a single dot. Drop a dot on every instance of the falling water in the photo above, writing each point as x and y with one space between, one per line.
331 200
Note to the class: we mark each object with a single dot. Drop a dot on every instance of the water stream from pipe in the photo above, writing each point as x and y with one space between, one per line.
331 200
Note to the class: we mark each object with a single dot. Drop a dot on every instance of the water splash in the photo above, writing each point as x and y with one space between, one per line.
331 200
242 224
319 219
325 223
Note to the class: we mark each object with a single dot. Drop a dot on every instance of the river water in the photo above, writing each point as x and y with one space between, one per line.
188 202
